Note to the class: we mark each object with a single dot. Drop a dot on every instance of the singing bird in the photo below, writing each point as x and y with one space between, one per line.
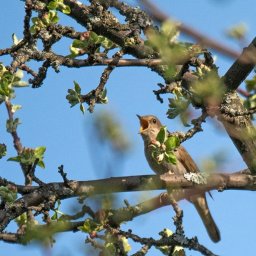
149 128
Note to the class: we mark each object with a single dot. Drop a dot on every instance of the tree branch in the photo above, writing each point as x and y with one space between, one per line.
240 128
59 190
242 67
201 39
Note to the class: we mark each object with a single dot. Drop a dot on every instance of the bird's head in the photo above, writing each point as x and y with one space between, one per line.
149 126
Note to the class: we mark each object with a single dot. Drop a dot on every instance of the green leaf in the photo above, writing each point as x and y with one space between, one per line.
41 164
238 31
54 216
184 117
80 44
90 225
170 157
94 37
29 156
22 219
171 143
52 5
82 108
15 108
53 17
170 71
169 29
126 245
251 84
11 125
77 87
66 9
161 136
39 152
7 194
177 106
14 159
73 95
3 150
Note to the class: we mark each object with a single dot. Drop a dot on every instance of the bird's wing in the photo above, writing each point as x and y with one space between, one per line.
185 159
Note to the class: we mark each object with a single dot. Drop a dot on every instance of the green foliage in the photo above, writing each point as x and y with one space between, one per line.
74 97
208 91
116 245
3 150
238 31
251 84
90 226
178 250
161 136
178 106
15 108
7 194
109 129
9 80
90 40
11 125
171 51
164 148
57 212
29 156
22 219
59 5
250 102
48 19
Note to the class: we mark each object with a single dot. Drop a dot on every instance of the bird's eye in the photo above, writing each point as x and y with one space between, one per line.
154 120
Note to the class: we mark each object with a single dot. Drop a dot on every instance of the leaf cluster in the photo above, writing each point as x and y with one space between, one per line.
8 81
163 149
90 42
29 156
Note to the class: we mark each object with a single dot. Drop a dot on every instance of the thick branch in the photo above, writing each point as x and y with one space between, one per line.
240 128
242 67
59 190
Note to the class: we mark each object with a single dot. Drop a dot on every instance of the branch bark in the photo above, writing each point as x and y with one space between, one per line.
240 128
59 190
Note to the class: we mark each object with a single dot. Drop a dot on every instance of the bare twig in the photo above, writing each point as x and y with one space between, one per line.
94 96
16 139
196 128
165 241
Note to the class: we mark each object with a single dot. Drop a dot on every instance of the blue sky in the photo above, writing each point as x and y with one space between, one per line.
48 120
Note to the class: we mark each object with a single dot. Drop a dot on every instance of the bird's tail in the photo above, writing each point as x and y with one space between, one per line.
204 212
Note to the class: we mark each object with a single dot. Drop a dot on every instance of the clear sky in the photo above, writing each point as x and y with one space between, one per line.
48 120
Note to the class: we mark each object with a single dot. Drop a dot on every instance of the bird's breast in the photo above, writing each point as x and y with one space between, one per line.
164 166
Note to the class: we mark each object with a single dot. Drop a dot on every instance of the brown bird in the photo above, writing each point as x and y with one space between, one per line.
149 128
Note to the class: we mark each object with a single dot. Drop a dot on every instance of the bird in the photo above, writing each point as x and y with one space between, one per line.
149 128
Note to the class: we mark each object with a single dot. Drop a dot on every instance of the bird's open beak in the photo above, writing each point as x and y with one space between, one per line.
143 123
